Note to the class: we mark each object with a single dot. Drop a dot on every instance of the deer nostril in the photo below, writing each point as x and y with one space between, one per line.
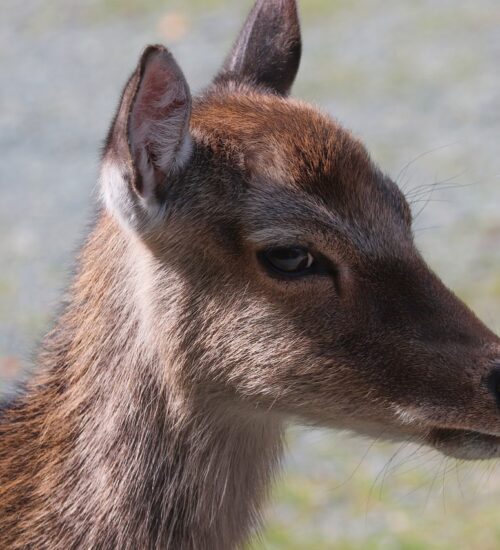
493 382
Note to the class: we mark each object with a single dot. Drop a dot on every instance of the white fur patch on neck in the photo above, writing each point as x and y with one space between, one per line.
116 194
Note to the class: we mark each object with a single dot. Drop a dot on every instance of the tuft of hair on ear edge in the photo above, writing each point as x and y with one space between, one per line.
268 48
149 139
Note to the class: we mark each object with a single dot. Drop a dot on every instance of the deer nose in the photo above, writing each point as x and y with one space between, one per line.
494 382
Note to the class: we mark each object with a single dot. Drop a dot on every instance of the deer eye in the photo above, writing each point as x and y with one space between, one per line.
290 261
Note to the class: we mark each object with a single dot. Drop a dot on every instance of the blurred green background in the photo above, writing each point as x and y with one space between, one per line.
417 80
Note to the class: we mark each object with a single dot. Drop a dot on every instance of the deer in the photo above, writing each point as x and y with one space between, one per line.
249 266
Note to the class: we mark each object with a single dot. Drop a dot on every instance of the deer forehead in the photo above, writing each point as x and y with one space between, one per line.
284 139
307 174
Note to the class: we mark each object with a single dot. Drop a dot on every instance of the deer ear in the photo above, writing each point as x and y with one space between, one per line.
149 142
268 48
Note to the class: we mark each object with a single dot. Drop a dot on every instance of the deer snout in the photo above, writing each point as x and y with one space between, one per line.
493 382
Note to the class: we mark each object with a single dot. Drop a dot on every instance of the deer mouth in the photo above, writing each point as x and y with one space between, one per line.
465 444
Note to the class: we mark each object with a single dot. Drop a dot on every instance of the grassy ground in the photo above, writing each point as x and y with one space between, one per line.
418 81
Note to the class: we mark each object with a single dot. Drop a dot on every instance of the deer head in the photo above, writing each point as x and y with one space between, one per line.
274 265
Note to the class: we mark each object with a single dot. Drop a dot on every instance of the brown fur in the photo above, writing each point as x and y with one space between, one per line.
156 417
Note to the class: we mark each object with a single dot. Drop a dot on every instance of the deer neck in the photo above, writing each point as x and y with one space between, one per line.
141 463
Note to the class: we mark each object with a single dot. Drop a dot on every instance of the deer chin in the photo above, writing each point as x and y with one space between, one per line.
464 444
460 443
